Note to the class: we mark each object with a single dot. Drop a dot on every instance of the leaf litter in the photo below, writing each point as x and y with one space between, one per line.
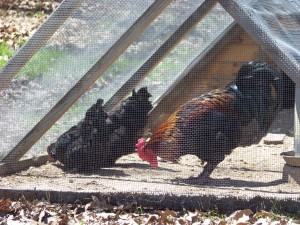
19 19
101 211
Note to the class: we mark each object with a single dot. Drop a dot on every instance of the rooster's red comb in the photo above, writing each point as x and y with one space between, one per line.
146 155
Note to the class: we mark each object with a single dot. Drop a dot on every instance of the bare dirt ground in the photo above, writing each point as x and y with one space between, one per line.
133 193
255 170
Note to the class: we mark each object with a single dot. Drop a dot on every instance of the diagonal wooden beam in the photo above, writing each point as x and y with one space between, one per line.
86 81
170 95
13 167
38 40
206 57
161 53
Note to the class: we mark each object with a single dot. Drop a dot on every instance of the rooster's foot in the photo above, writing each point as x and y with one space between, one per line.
198 180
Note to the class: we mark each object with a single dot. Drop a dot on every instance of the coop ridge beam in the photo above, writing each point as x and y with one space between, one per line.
87 80
38 40
161 53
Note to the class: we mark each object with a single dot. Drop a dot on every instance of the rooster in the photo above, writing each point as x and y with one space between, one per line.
285 87
210 126
101 138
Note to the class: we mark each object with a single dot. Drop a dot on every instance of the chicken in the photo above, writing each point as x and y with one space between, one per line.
100 139
210 126
285 87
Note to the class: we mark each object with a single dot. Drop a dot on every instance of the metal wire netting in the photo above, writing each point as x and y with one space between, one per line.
230 139
124 67
51 72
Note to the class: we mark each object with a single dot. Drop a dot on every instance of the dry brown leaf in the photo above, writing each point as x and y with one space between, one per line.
243 223
244 220
151 219
166 216
284 221
180 221
5 205
238 215
263 214
63 220
222 222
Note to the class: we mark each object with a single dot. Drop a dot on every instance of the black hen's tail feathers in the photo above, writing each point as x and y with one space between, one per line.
285 89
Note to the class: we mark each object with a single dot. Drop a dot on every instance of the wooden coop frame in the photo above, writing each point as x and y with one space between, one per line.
259 39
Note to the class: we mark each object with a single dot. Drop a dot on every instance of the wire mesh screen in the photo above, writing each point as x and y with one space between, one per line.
51 72
123 68
211 109
273 25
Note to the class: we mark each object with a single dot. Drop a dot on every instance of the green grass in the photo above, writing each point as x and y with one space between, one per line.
213 215
21 43
40 63
5 54
121 65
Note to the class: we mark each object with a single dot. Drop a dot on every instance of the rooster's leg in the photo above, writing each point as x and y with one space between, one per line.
208 169
204 176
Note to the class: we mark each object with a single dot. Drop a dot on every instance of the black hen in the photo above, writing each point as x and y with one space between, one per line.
210 126
100 139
